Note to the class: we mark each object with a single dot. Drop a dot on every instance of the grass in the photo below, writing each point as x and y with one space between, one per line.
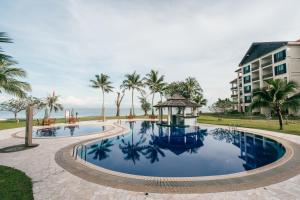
13 124
14 184
258 122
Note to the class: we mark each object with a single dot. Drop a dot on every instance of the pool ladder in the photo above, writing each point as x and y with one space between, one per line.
82 148
232 127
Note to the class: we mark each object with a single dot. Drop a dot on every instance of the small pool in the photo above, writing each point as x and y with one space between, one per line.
68 131
153 150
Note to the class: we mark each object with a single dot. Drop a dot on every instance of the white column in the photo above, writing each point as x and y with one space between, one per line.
169 115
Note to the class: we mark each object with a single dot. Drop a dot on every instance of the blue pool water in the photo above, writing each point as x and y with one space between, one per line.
70 130
151 150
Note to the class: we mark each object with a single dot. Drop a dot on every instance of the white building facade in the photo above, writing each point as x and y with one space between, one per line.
263 61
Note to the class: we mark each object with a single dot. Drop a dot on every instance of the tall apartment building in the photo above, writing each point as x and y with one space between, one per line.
263 61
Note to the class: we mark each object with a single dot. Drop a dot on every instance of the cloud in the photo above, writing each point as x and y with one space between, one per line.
63 45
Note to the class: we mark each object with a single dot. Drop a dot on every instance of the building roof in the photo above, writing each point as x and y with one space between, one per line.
259 49
177 101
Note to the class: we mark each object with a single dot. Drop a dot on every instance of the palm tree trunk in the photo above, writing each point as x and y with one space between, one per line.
132 106
15 114
280 119
103 109
152 103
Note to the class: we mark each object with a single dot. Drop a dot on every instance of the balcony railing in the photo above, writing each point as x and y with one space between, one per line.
234 95
234 88
255 79
268 75
255 68
266 64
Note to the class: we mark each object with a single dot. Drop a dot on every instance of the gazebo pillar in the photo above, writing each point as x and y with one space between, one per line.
169 115
160 114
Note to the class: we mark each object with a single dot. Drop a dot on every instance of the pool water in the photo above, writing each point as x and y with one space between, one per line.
153 150
68 131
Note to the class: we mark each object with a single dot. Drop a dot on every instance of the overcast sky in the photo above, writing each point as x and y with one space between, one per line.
63 44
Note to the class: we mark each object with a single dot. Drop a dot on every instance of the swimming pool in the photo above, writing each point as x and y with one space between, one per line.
153 150
68 131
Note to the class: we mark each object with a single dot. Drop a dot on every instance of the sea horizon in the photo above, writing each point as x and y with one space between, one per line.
82 112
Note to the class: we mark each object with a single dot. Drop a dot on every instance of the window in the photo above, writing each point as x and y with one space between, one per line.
280 69
247 79
246 69
247 89
279 56
247 99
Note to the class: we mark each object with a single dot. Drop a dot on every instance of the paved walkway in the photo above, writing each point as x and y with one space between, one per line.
50 181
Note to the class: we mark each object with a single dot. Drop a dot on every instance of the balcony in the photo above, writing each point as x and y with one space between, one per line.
234 88
269 75
266 64
234 95
255 79
248 101
255 68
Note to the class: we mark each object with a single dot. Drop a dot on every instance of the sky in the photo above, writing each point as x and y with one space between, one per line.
63 44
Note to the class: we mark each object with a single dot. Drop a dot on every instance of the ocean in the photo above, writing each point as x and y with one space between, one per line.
82 112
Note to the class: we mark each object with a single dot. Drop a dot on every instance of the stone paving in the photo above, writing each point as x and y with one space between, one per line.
50 181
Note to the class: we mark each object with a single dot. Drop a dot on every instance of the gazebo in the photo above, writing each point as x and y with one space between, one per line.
178 108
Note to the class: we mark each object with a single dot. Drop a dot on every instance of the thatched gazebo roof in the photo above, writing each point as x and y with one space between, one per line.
177 101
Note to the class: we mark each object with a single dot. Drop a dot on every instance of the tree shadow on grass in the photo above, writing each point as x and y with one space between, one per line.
16 148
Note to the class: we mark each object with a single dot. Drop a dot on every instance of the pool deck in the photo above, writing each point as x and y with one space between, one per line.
51 181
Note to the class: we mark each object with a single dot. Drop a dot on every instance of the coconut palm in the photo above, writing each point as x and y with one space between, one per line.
192 87
155 84
52 103
133 82
199 99
4 39
102 82
9 74
279 96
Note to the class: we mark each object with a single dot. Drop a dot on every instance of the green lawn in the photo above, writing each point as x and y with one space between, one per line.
14 184
258 122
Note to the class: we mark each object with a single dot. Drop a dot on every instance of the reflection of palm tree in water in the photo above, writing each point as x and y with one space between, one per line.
153 151
101 150
223 134
145 126
132 150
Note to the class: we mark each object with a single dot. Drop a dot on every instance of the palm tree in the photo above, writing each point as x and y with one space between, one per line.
199 99
278 96
9 74
51 102
4 39
104 84
192 87
155 84
133 82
